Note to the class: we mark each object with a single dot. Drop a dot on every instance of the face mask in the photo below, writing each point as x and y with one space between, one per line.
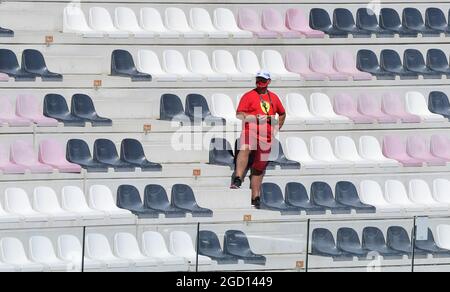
262 85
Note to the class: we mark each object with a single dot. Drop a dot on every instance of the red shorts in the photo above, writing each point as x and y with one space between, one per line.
260 151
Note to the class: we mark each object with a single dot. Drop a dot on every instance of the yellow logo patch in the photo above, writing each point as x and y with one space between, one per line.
265 106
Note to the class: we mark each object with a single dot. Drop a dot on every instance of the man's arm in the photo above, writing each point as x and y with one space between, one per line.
281 120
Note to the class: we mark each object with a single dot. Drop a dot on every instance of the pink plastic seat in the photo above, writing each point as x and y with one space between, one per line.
440 147
6 166
369 106
320 62
417 147
8 115
53 153
344 105
27 106
22 153
273 21
4 77
393 105
297 21
344 62
297 62
249 19
394 147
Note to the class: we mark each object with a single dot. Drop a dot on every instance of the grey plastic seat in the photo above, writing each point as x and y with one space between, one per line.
209 245
430 246
374 240
415 62
272 199
323 244
320 20
221 153
78 152
171 109
322 195
128 198
343 20
197 110
297 196
184 199
83 108
122 64
6 32
413 20
105 152
366 19
390 61
398 240
156 199
236 244
10 65
367 61
55 106
435 20
33 62
349 243
347 194
437 61
390 20
438 103
277 157
132 152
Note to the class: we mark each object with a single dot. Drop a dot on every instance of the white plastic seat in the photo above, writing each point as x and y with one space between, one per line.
100 20
223 62
346 149
420 193
101 199
6 217
42 252
297 109
125 20
395 193
70 250
176 21
13 253
74 21
127 247
17 202
369 148
417 105
247 62
201 21
274 63
441 192
370 192
99 249
321 150
181 245
73 200
321 106
222 106
174 64
148 62
443 236
153 245
224 20
198 62
151 20
45 201
297 150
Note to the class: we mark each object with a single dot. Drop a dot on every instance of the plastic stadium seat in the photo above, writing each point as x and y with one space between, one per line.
83 108
346 150
443 236
395 193
128 198
153 245
297 109
99 249
298 63
70 249
440 191
323 244
297 196
413 20
174 64
296 20
416 104
272 199
196 104
127 248
437 61
297 150
390 20
322 195
344 62
224 21
369 148
6 217
171 109
277 157
343 20
73 200
176 21
345 105
55 107
366 19
105 152
122 64
429 246
320 62
222 106
125 20
221 153
17 203
274 63
393 106
438 103
249 20
373 239
101 199
440 146
223 62
371 193
5 32
390 61
322 150
370 107
417 147
236 244
100 20
420 193
348 242
46 202
8 115
435 20
321 106
22 153
394 147
319 19
78 152
247 62
6 166
184 199
42 252
28 107
201 21
367 61
53 153
9 65
415 62
74 21
132 152
209 245
199 63
398 239
33 62
272 20
148 62
155 198
151 20
181 246
13 253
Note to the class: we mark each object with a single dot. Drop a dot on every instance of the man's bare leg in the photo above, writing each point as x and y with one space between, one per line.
257 179
242 161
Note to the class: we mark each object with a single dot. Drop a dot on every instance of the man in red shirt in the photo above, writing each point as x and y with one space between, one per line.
257 109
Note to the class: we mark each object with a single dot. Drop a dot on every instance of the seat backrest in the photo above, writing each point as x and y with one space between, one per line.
392 104
440 190
125 19
343 61
22 152
197 104
272 20
437 59
74 18
297 62
52 151
390 59
271 194
170 107
148 62
296 149
28 106
13 251
69 248
176 19
438 102
100 19
443 236
105 149
121 60
366 18
200 19
222 106
416 103
347 237
345 148
17 201
417 146
55 104
321 148
345 104
420 192
41 249
389 18
296 105
296 19
321 192
208 242
132 150
33 61
45 200
78 150
440 145
248 62
199 62
224 19
319 19
82 105
346 192
183 196
322 240
373 239
393 146
150 19
320 61
8 60
73 199
371 192
273 61
154 245
412 17
249 19
368 105
7 109
4 155
321 104
181 244
101 198
126 245
395 192
296 192
128 197
155 196
435 17
366 60
174 62
236 242
343 18
98 247
223 62
397 237
413 59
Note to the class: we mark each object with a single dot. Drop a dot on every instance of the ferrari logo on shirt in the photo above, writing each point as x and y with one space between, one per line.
265 106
